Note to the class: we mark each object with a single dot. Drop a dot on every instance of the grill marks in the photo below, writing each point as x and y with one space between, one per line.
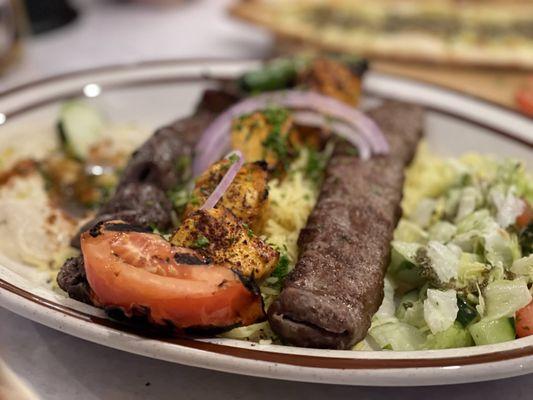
190 259
140 199
337 285
119 227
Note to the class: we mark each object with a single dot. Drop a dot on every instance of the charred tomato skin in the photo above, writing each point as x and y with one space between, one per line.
133 270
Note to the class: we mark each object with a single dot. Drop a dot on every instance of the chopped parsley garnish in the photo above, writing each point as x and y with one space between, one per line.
248 230
282 267
179 197
352 151
316 163
194 200
275 142
183 164
276 117
201 242
233 158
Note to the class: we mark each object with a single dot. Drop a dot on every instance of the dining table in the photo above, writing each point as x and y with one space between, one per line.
44 363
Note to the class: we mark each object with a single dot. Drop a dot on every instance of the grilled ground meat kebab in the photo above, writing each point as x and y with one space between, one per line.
337 285
160 164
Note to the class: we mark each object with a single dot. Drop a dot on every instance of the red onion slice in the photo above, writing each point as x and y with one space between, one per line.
225 183
216 137
341 129
337 109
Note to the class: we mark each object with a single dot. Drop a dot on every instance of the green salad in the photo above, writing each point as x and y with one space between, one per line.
461 266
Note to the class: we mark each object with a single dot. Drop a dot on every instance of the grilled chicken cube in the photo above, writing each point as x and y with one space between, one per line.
246 197
219 235
263 136
333 79
307 136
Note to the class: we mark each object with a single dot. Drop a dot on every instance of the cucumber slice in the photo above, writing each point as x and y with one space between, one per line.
453 337
398 336
79 127
489 331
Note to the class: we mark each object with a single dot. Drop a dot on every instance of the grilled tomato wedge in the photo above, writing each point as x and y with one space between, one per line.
130 268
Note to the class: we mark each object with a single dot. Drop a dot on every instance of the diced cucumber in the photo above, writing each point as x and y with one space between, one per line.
80 126
398 336
453 337
489 331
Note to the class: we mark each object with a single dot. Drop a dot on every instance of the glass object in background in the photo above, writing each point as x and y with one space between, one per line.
46 15
11 22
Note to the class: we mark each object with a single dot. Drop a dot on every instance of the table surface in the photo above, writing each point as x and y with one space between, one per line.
58 366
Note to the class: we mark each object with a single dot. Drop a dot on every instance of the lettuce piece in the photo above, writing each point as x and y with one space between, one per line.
388 307
442 231
411 310
471 269
508 206
367 344
451 204
470 199
427 176
423 212
398 336
403 266
478 221
482 167
513 173
472 229
453 337
501 247
481 307
503 298
480 232
409 232
407 251
444 260
524 267
440 309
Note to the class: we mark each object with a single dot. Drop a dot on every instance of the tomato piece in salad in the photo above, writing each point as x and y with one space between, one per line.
524 97
131 269
524 321
526 217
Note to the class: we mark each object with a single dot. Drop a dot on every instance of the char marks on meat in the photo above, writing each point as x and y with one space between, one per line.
72 279
337 285
160 164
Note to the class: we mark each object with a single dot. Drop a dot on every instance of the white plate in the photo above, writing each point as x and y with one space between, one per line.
155 93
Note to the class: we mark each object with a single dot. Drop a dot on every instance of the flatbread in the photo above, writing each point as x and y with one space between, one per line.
489 32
